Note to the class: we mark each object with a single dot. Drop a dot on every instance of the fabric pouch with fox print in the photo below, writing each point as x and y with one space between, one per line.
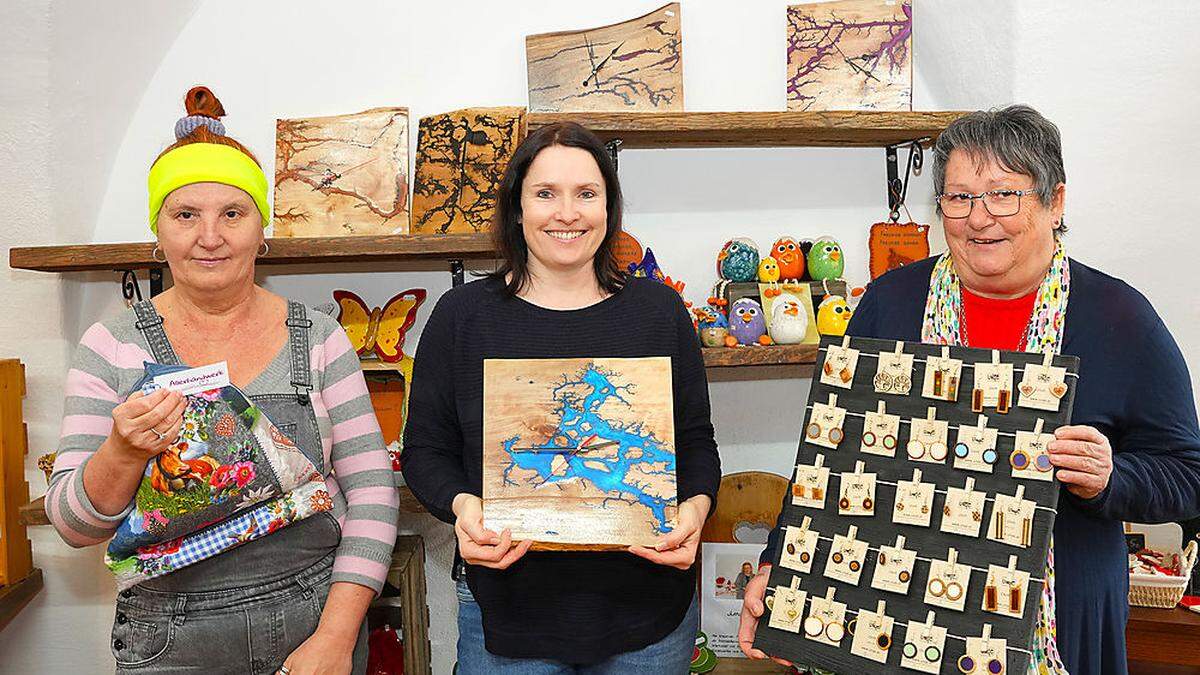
232 476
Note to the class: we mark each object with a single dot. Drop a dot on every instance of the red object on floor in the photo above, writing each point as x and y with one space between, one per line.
385 652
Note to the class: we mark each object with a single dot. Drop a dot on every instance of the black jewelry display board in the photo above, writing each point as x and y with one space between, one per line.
855 389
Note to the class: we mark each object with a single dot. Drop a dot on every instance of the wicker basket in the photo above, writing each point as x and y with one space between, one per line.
1148 590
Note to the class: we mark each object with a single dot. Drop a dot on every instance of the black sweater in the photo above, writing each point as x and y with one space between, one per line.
575 607
1135 388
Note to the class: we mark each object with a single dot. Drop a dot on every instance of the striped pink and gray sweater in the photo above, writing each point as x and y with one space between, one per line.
109 362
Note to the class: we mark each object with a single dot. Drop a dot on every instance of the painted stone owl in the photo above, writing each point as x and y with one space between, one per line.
825 259
746 322
738 260
789 321
833 315
768 270
790 257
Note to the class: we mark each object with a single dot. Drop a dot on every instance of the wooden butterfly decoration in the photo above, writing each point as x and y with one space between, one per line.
379 330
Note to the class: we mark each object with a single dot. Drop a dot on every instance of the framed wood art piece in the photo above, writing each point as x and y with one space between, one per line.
850 55
579 453
636 65
342 175
461 157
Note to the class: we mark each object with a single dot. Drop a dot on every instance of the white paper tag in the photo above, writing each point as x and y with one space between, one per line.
195 380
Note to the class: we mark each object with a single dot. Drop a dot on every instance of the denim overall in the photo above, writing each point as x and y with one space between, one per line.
247 609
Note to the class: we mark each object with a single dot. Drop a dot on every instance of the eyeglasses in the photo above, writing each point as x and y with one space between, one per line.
999 203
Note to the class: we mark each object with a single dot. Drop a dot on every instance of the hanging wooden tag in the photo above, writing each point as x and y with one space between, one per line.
894 245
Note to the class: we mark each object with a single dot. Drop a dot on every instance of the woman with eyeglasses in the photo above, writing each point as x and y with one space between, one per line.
1132 450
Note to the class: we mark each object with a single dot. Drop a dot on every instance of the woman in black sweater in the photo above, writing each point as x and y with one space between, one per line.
559 294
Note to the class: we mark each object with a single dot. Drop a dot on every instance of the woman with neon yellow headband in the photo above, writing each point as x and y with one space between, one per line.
292 602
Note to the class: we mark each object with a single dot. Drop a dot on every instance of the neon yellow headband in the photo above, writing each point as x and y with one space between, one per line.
206 163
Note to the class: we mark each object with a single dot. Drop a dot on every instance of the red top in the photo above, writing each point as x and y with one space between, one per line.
994 323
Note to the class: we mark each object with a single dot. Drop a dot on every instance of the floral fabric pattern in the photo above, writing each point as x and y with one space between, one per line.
228 463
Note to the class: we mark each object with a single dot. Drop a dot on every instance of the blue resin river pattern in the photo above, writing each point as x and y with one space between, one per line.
578 419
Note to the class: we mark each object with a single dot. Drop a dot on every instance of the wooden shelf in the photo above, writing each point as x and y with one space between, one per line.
34 513
283 251
756 129
774 355
15 596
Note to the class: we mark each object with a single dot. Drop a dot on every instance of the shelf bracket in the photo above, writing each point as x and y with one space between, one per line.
156 281
129 287
132 291
613 147
456 272
897 189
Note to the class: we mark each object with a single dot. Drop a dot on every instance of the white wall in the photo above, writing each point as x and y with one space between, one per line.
1125 108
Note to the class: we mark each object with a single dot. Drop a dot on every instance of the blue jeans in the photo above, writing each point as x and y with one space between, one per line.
669 656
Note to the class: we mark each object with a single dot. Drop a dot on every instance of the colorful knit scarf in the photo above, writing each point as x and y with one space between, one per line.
942 325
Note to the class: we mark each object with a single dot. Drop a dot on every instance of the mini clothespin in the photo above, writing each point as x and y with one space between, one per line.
916 476
995 357
929 624
1048 359
982 423
931 414
881 408
805 523
818 461
829 594
833 400
1020 492
881 608
858 468
987 633
899 541
1012 563
1037 426
852 533
899 348
970 484
952 556
845 342
945 352
795 583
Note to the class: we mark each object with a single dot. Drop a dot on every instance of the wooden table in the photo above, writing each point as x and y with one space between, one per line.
1163 641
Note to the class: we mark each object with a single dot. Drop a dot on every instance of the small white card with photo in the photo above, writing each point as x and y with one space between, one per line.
725 569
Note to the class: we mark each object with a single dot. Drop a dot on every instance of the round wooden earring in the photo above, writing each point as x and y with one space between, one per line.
937 587
1019 460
